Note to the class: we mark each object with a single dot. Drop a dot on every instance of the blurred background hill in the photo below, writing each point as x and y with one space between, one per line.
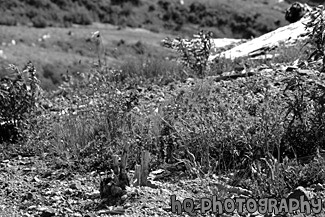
310 2
227 18
54 34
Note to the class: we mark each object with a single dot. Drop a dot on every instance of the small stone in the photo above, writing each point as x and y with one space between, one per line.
76 185
90 215
124 197
127 205
28 196
190 80
46 212
68 191
36 179
32 207
68 210
93 195
291 68
319 187
56 198
298 192
255 214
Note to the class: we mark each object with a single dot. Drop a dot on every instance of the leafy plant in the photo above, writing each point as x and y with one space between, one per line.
316 29
285 177
304 120
19 98
194 53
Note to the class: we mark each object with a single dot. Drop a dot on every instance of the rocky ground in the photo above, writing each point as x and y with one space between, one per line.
30 186
46 186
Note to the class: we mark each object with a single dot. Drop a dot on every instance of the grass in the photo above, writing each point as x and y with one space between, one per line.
224 126
72 53
67 47
245 125
227 18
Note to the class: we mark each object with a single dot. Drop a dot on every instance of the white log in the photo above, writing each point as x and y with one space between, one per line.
287 34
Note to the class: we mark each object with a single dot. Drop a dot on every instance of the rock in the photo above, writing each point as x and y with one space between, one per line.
32 207
2 55
160 171
127 205
296 11
124 197
291 68
190 80
46 211
298 192
29 196
240 191
256 214
76 185
93 195
319 187
56 198
36 179
90 215
68 210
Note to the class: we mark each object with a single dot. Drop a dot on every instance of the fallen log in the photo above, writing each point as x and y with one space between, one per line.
288 34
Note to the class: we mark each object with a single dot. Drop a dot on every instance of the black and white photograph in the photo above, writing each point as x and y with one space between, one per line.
165 108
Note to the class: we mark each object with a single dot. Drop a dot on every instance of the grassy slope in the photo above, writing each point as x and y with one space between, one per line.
232 116
63 52
227 18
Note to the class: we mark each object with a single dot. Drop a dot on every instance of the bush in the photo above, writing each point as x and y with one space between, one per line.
18 100
91 123
286 177
305 113
52 72
315 35
79 16
194 52
8 20
39 22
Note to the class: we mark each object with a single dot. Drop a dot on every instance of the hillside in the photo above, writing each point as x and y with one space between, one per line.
234 19
100 120
130 29
310 2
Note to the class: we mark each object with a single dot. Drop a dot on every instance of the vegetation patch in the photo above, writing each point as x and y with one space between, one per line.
253 127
